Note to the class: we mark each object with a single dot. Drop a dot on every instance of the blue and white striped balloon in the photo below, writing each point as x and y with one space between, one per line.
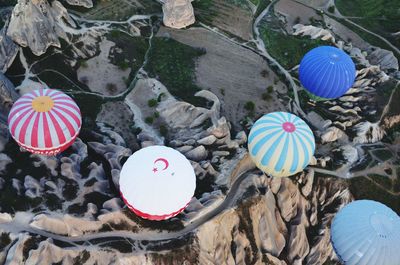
281 144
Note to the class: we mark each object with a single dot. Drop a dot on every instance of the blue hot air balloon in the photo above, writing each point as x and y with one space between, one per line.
366 233
281 144
327 72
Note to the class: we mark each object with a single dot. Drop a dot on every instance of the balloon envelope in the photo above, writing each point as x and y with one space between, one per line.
366 233
157 182
44 121
281 144
327 72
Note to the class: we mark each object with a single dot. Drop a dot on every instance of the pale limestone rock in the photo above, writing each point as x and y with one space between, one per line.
178 13
197 154
275 184
384 58
215 239
267 225
208 140
275 260
313 32
5 218
184 149
332 134
298 244
8 50
309 181
84 3
38 24
288 198
368 132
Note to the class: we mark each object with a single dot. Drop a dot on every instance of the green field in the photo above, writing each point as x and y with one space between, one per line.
379 16
288 50
118 10
173 63
370 8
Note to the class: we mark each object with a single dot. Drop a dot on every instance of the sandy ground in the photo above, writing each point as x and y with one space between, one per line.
233 19
105 74
292 11
233 69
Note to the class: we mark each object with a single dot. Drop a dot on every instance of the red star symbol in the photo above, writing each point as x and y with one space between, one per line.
155 170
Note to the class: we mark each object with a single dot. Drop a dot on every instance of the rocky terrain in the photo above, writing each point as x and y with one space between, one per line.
199 90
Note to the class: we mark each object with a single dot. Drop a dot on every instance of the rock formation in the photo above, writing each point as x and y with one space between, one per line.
84 3
8 49
7 97
178 13
313 32
38 24
384 58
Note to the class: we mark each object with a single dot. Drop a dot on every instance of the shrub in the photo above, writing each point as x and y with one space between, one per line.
266 96
156 114
149 120
250 106
163 130
111 87
331 9
152 102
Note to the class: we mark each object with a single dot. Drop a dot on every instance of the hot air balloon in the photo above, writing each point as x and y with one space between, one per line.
157 182
281 144
366 232
327 72
44 121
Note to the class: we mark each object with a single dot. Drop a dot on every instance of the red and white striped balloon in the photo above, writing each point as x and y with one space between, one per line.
45 121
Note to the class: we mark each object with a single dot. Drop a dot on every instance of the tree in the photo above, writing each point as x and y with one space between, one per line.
250 106
152 102
149 120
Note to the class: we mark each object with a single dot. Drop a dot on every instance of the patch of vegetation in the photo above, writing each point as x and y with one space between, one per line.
288 50
152 102
370 8
156 115
149 120
380 16
111 87
123 65
204 10
261 6
128 52
116 9
5 240
173 63
331 9
266 96
250 106
163 131
4 3
363 188
82 258
159 98
30 243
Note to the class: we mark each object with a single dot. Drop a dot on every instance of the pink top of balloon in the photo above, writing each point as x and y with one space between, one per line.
45 121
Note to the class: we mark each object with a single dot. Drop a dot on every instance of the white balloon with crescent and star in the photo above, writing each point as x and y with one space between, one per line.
157 182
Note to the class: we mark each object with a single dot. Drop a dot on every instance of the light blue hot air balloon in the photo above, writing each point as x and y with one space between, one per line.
366 233
281 144
327 72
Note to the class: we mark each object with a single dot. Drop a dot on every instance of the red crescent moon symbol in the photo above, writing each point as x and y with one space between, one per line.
165 161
